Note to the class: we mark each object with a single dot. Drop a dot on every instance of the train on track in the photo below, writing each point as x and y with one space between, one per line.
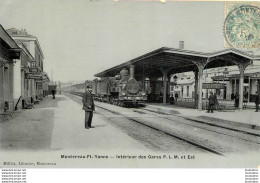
122 90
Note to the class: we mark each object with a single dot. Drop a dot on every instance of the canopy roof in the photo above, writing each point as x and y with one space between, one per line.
178 61
248 73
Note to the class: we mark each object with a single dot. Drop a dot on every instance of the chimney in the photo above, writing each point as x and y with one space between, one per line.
132 71
23 31
181 45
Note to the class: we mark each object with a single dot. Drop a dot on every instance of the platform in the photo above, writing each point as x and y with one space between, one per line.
246 118
59 125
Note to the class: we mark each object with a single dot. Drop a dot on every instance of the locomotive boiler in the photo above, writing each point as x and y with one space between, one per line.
121 90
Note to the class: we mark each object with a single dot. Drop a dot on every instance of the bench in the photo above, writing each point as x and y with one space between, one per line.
36 101
27 105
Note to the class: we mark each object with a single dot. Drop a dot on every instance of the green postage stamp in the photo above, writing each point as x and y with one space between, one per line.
242 24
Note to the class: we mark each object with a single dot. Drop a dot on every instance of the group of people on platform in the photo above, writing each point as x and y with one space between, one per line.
172 99
235 97
213 101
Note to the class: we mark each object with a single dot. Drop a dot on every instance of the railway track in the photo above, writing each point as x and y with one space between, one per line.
207 145
203 148
243 135
177 137
198 121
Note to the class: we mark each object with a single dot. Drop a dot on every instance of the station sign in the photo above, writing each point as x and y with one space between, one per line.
45 80
34 76
173 83
213 86
38 80
256 76
33 70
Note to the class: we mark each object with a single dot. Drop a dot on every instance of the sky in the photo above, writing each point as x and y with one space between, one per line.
80 38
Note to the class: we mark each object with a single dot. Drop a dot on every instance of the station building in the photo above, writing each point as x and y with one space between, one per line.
250 85
224 85
21 69
29 68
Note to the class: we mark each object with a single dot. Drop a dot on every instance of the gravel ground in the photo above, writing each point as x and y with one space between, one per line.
152 139
217 139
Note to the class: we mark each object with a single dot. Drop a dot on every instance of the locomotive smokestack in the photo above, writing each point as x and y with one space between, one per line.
132 71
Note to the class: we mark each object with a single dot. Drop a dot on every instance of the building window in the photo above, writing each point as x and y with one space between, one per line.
14 33
182 91
188 91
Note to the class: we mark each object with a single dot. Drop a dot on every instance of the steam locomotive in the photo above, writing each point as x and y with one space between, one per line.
121 90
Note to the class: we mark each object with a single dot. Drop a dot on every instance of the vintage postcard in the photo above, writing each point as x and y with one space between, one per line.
129 84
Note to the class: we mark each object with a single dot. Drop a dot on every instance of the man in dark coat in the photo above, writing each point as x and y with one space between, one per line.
256 102
236 100
176 96
212 101
88 107
232 96
171 99
53 92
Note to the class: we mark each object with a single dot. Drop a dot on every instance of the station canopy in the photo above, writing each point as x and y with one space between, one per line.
179 60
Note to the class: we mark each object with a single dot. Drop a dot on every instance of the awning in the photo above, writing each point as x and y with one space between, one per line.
178 61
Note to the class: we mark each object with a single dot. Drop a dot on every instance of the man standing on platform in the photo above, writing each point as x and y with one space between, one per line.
176 96
256 102
89 107
212 101
236 100
53 92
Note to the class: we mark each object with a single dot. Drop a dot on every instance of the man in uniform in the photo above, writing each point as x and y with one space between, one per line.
89 107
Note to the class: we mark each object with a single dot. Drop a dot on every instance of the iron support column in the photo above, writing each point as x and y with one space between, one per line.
241 85
200 67
169 85
249 89
235 88
196 90
164 71
258 87
143 78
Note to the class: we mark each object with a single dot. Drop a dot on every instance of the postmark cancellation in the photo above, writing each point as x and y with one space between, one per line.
242 25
